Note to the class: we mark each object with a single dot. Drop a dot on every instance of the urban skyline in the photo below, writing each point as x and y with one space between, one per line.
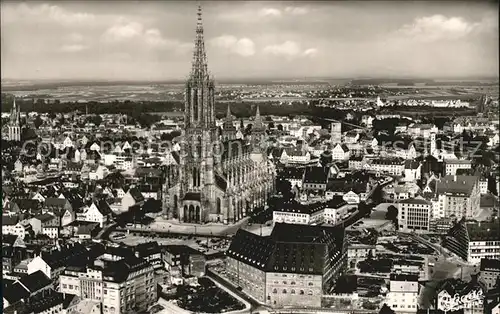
126 41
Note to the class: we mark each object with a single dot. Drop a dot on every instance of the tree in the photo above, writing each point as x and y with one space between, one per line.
392 213
97 120
38 121
386 310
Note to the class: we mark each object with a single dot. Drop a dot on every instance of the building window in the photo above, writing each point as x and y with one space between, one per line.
301 292
284 291
275 291
310 292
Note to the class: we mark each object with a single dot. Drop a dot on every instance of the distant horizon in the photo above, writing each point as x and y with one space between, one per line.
251 79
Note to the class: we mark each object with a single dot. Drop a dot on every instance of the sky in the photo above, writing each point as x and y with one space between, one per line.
140 40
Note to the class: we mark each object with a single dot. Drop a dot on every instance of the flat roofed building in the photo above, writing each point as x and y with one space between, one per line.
474 241
414 215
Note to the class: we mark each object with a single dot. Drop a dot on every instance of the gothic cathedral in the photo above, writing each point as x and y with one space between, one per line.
220 177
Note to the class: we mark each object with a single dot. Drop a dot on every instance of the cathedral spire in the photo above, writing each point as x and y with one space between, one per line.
229 116
14 114
199 70
258 119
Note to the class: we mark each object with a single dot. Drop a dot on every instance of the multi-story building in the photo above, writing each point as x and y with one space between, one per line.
394 167
457 196
297 213
315 179
124 285
13 225
151 252
403 293
220 184
291 267
451 166
474 241
188 260
489 273
414 215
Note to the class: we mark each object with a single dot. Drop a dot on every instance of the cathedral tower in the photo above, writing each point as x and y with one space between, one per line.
14 124
197 162
217 179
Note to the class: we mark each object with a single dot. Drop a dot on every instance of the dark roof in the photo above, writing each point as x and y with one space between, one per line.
45 217
15 293
296 207
145 249
8 239
136 195
220 182
27 204
35 281
180 249
103 207
316 175
147 172
290 248
73 254
8 220
118 271
456 184
42 302
389 161
55 202
87 228
403 277
292 173
483 231
490 265
192 196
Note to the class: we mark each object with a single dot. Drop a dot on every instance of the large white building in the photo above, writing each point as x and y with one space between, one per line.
474 241
403 293
122 285
457 196
296 213
451 166
414 215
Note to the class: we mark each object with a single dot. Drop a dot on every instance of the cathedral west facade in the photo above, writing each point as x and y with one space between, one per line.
220 177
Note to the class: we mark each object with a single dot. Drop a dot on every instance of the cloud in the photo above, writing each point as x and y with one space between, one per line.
73 48
45 12
311 52
269 12
135 33
75 37
123 32
437 27
289 49
296 10
243 46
